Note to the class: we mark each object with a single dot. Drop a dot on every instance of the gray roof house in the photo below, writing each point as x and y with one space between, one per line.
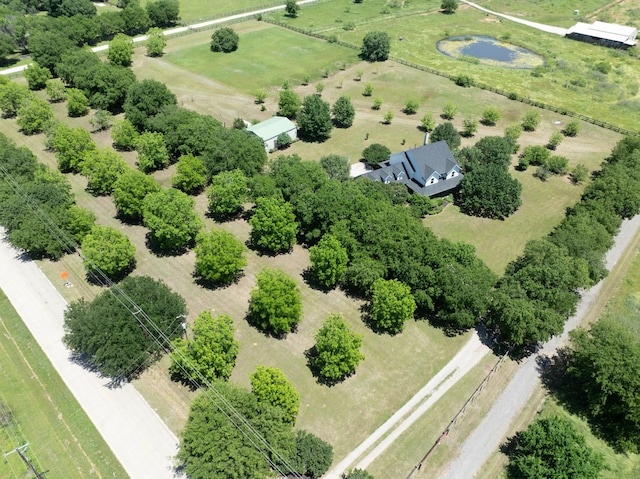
269 130
429 170
609 34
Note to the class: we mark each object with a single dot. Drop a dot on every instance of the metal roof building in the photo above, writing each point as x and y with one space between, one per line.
270 129
610 34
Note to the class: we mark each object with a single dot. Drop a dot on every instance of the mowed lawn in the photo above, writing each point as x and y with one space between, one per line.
265 58
63 442
192 10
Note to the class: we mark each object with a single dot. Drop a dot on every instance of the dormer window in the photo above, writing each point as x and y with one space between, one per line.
432 180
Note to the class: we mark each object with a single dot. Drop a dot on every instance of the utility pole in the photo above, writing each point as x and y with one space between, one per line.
20 450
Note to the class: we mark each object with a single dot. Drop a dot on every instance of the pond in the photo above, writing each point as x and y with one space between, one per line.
489 51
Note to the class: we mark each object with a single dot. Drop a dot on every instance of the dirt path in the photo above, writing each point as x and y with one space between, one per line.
470 355
540 26
491 432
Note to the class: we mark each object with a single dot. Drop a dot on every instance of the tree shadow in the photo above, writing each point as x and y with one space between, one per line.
268 333
216 285
87 364
226 217
103 279
154 247
368 320
188 383
311 280
311 354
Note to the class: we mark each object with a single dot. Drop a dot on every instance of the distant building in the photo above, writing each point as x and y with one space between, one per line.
608 34
429 170
270 129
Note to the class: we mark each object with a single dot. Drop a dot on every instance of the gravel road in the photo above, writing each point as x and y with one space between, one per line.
492 431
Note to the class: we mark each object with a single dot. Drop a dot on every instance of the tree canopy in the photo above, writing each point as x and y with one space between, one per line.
227 193
211 353
112 338
314 119
336 166
129 191
343 112
337 350
375 46
219 256
552 448
489 191
190 175
376 153
328 261
224 40
270 385
275 305
102 168
313 456
171 218
273 225
109 251
146 99
447 132
392 305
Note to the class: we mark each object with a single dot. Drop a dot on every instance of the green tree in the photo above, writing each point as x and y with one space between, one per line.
495 150
375 46
604 373
71 146
579 173
109 251
535 155
270 385
314 119
37 76
427 122
449 111
101 120
336 166
107 333
490 116
224 40
313 456
102 168
552 448
146 99
289 104
275 305
368 89
343 112
135 18
283 141
449 6
531 120
337 350
212 447
273 225
56 90
554 140
152 151
447 132
33 116
411 106
227 193
190 175
557 164
156 41
392 305
163 12
211 354
572 128
124 135
377 103
77 103
260 95
291 8
489 191
469 127
388 117
513 132
219 256
328 261
129 192
48 47
172 221
120 50
12 97
375 153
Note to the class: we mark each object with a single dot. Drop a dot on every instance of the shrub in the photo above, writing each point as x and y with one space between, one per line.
579 174
555 140
224 40
449 111
572 128
490 116
283 141
411 107
368 90
531 120
557 165
464 81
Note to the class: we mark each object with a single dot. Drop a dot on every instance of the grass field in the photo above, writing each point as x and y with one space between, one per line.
62 440
193 10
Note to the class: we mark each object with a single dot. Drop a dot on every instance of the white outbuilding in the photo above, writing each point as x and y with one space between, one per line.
270 129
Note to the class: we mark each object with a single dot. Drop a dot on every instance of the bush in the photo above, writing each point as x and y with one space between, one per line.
490 116
513 132
542 173
283 141
376 153
449 111
579 174
536 155
572 128
411 107
368 90
557 165
464 81
555 140
531 120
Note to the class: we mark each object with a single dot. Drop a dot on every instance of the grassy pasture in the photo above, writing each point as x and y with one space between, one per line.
251 67
63 441
192 10
557 13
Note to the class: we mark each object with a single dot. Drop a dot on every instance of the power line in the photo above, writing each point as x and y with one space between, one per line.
157 335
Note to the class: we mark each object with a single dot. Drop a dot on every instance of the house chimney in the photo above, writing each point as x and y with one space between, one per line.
426 138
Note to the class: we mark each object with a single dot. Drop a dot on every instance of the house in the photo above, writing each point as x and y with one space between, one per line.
608 34
429 170
270 129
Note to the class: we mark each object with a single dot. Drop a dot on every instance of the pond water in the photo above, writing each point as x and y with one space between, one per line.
489 51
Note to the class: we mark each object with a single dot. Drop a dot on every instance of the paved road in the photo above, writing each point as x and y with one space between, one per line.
137 436
174 31
471 354
540 26
491 432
